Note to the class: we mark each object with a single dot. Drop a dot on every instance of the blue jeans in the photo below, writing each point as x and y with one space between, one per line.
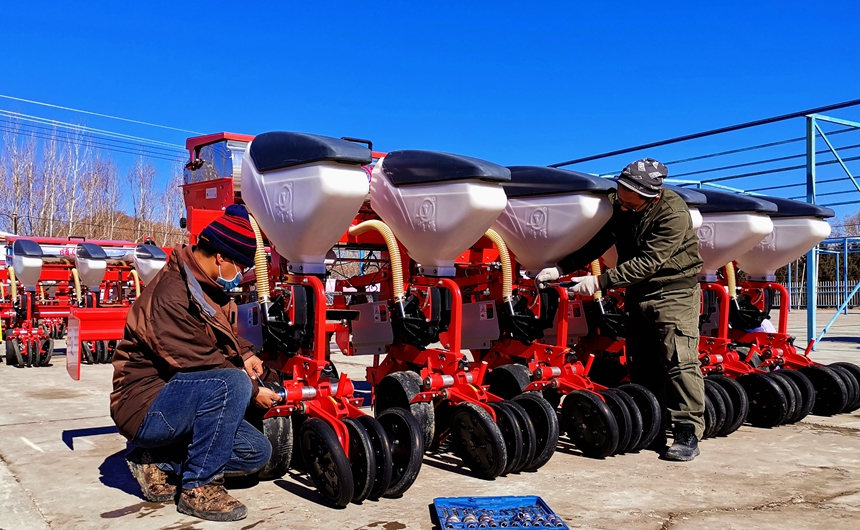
195 428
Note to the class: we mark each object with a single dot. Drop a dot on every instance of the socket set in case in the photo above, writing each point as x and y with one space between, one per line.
456 513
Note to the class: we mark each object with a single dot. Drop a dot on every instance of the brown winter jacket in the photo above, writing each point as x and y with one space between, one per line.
183 322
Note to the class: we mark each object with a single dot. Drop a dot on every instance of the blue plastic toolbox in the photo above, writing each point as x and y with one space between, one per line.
526 511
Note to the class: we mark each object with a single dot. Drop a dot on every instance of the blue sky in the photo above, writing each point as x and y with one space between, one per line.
515 83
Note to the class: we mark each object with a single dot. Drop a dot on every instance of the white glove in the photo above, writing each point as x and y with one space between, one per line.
584 285
547 275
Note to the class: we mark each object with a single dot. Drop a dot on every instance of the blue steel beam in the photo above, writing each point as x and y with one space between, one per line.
835 154
837 121
811 258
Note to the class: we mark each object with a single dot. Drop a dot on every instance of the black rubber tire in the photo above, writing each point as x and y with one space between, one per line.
710 418
102 351
589 424
855 371
382 454
87 353
33 353
279 431
362 460
740 402
13 353
326 462
729 407
635 421
407 449
509 380
622 418
720 410
807 392
851 385
831 394
398 390
545 421
768 404
111 350
477 440
511 433
553 397
529 437
792 394
649 408
47 352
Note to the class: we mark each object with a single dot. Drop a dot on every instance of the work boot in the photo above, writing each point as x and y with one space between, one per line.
211 502
685 446
154 483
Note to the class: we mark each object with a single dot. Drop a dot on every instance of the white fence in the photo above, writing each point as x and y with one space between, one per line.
830 294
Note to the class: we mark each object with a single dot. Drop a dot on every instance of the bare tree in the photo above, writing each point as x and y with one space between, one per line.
140 180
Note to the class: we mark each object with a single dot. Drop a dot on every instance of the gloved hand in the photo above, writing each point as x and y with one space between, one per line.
547 275
584 285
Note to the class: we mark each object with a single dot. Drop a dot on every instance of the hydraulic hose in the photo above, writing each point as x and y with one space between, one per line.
77 279
731 280
393 254
261 268
136 283
507 270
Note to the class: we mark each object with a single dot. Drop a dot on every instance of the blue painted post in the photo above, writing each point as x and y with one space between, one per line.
811 256
788 287
845 269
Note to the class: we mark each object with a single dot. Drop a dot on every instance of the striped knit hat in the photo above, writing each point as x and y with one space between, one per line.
232 236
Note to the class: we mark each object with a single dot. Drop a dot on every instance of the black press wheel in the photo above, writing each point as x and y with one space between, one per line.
362 460
398 390
509 380
407 449
635 422
851 385
720 410
792 395
511 433
381 453
768 404
47 352
831 394
101 354
545 421
710 418
33 353
88 353
589 423
807 392
279 431
649 408
13 352
528 436
477 440
855 371
326 462
111 349
727 404
738 397
622 418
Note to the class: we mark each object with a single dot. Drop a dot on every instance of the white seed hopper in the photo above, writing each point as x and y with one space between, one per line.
27 262
148 261
91 263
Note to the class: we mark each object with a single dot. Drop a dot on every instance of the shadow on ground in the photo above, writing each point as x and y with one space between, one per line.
114 473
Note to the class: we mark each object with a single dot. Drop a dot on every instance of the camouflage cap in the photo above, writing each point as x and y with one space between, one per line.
645 177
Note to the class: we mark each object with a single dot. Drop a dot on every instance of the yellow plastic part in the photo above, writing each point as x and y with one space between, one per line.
78 293
393 252
136 279
505 258
261 268
595 270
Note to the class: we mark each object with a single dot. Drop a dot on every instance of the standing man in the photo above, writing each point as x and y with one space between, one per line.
658 264
183 377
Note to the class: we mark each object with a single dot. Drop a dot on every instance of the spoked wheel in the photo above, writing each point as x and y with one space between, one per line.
511 433
87 353
326 462
649 408
710 418
545 422
478 441
509 380
589 423
398 390
47 352
407 449
382 456
851 386
831 394
362 460
622 418
727 404
635 422
792 395
768 404
528 436
738 397
807 392
720 410
13 352
279 431
855 371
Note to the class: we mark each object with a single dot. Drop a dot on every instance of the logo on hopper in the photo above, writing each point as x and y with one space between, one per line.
284 202
769 242
426 215
706 235
538 222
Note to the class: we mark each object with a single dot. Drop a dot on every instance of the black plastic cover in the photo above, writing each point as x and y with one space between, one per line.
420 167
539 180
90 251
726 202
691 197
150 252
792 208
26 247
278 150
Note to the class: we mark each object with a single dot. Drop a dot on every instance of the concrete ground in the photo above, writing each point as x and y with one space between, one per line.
62 467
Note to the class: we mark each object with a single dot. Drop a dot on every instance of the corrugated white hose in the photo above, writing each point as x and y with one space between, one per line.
261 268
507 269
393 255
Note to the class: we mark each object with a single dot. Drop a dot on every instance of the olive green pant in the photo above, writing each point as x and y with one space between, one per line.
662 332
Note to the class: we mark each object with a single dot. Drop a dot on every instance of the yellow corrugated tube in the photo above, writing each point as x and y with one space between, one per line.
731 280
507 270
13 284
595 270
136 278
393 256
77 279
261 268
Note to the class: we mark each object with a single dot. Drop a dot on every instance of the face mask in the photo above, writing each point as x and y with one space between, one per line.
228 285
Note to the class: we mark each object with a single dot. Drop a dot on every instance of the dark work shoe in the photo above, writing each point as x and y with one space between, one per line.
154 483
211 502
685 446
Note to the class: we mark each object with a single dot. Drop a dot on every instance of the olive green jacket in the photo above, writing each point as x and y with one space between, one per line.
657 249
